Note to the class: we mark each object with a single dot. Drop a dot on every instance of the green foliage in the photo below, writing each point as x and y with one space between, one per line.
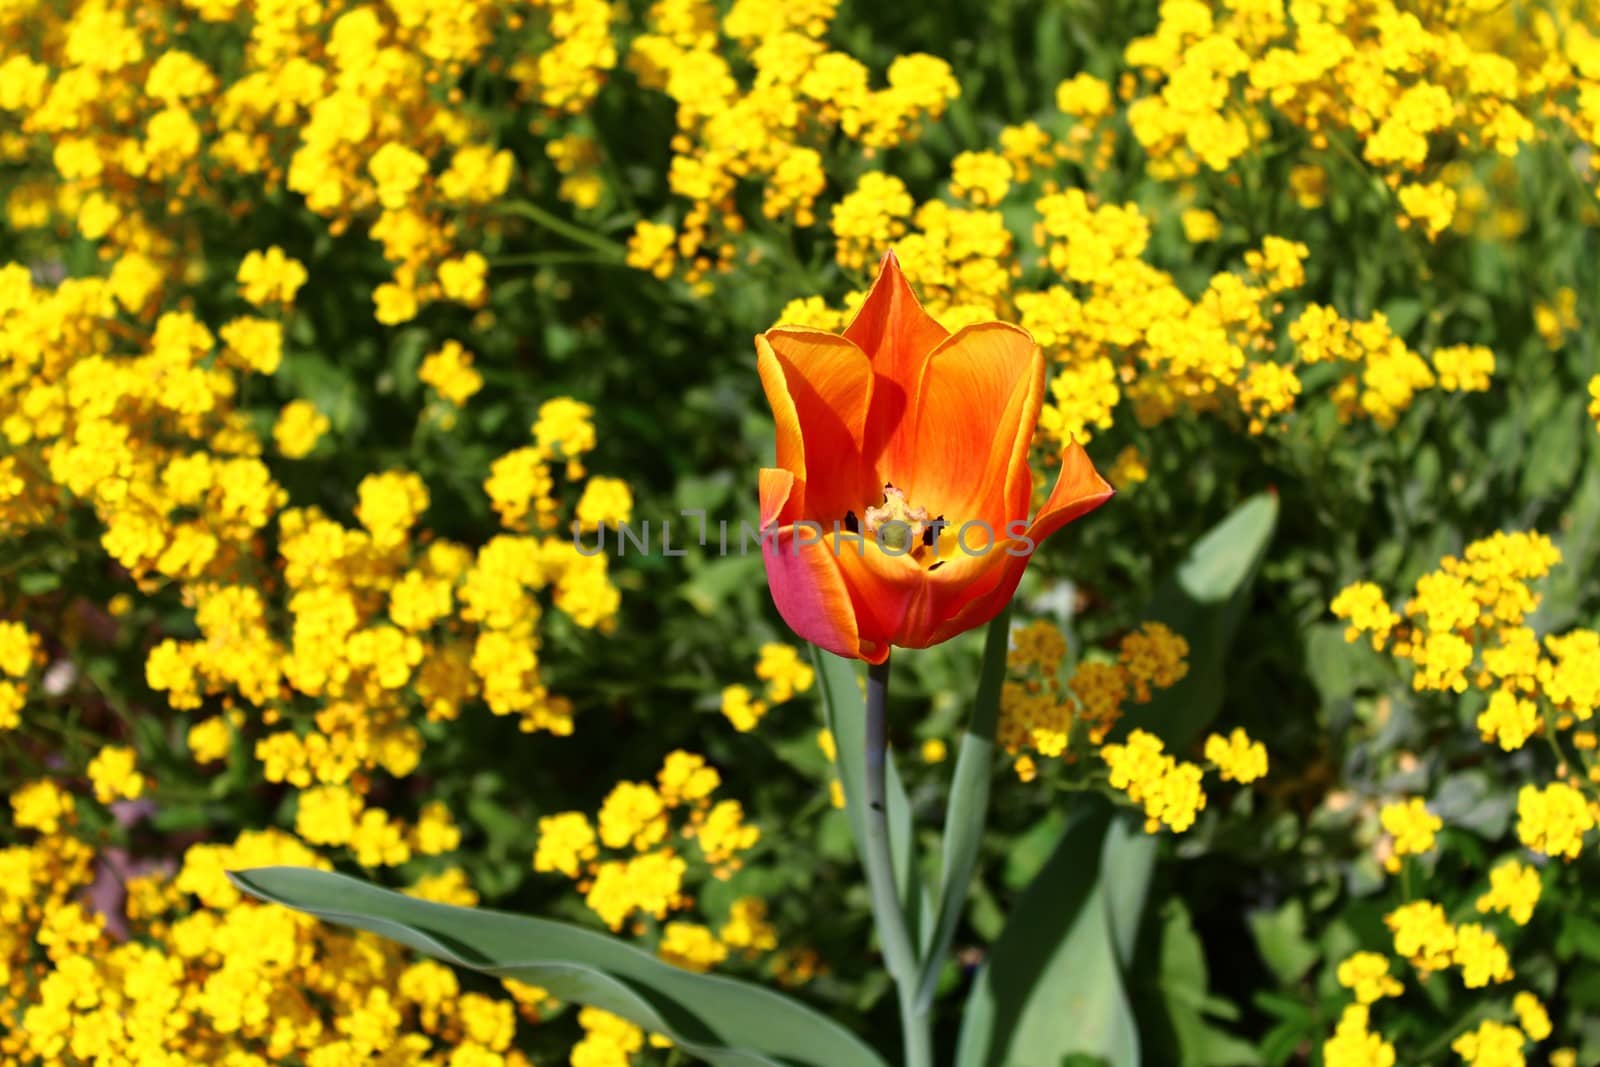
724 1022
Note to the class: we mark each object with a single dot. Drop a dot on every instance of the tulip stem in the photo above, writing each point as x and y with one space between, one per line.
899 955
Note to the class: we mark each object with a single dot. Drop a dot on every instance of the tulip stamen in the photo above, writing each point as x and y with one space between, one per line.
896 526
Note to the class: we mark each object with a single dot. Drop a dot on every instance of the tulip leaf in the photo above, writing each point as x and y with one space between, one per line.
1053 985
846 708
1204 600
968 809
724 1022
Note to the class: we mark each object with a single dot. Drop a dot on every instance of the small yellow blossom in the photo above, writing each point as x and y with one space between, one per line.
1366 975
298 429
115 775
1413 828
1238 758
1514 888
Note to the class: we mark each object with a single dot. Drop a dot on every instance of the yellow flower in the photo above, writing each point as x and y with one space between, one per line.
1509 720
982 178
741 708
566 843
784 672
436 832
1200 226
1238 758
1514 888
327 815
298 429
1481 956
41 805
1433 205
1354 1045
1413 827
1554 819
450 372
605 502
270 277
1464 368
19 649
691 946
1169 791
464 278
1492 1044
1366 975
1423 935
1531 1016
397 171
115 776
210 740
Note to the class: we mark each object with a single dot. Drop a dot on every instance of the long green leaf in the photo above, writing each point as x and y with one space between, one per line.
1204 600
724 1022
846 708
1070 945
1052 985
968 809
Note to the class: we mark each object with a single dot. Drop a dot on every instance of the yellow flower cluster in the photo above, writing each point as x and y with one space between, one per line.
1168 789
1116 328
785 676
1067 719
178 968
1062 717
633 859
20 656
1411 827
121 112
1466 628
759 96
1425 937
1375 85
308 648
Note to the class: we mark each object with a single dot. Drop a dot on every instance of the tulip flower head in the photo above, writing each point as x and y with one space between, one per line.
898 512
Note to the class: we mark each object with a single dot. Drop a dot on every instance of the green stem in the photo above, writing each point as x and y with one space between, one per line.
551 259
571 231
898 953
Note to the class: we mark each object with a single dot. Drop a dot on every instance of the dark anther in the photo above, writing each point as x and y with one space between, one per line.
888 485
936 566
932 532
852 523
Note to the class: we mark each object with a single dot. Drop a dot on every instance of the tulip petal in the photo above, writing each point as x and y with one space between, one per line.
774 487
881 585
971 586
976 411
983 599
819 386
897 335
1079 490
811 595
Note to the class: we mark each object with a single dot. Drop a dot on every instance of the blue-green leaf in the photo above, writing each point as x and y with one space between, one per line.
968 809
1052 985
724 1022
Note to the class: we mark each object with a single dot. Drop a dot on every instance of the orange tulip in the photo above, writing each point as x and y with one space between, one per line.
898 511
